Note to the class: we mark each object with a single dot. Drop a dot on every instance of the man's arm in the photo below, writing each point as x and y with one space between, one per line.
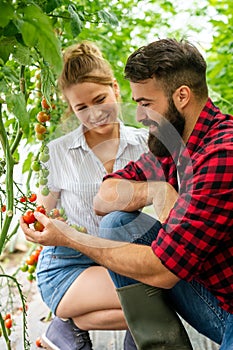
127 195
120 194
135 261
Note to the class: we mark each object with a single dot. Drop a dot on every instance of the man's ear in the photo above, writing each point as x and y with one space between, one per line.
181 97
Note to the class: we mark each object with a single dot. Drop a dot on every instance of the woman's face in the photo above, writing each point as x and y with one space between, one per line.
95 105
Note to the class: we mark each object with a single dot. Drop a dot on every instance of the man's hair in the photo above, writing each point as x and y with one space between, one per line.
173 63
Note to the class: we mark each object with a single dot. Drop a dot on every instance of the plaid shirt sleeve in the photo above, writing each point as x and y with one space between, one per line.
146 168
196 240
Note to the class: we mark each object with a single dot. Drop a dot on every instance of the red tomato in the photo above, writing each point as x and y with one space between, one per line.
35 254
20 308
38 343
42 117
32 198
23 199
44 103
29 217
8 323
40 129
31 260
3 209
41 209
54 213
7 316
38 226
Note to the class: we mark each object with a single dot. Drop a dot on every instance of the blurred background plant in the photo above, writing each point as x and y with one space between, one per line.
32 37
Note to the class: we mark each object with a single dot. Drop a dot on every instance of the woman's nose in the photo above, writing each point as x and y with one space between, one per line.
94 113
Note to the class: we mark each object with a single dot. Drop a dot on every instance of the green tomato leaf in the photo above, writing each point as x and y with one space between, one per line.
16 104
47 81
6 13
52 4
6 47
27 163
22 55
76 23
37 31
107 17
29 33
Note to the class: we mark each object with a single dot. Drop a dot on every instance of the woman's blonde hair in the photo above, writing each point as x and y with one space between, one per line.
84 62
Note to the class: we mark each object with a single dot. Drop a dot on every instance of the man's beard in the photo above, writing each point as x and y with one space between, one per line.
168 139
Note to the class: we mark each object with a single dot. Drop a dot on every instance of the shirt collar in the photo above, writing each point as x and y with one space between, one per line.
202 126
127 136
78 139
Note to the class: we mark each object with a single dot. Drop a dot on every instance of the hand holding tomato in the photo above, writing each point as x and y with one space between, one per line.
29 217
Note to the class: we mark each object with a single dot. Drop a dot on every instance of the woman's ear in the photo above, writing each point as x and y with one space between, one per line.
116 89
181 97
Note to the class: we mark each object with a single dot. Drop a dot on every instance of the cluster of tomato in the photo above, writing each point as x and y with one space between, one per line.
29 217
30 264
32 198
42 117
41 170
38 165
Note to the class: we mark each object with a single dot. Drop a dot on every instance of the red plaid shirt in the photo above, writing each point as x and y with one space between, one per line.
196 241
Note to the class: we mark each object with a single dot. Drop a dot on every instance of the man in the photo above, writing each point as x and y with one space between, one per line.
188 177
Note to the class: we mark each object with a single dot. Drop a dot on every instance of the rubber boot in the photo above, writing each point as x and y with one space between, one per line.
151 321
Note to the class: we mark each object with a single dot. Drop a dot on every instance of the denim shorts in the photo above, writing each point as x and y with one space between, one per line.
57 269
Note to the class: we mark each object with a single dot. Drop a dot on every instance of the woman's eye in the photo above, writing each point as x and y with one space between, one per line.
100 100
81 108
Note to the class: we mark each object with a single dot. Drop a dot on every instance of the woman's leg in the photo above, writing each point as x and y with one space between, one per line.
92 302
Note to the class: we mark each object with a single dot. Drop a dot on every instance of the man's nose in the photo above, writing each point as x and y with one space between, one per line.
140 114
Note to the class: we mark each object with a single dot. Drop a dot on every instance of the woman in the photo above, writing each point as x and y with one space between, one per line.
78 291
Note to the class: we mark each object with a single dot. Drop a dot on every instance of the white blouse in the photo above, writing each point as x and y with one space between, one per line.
76 173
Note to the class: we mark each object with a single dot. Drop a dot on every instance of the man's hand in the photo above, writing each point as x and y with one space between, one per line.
164 200
126 195
132 260
52 233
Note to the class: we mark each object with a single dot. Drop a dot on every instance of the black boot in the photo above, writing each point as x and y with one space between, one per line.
154 325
